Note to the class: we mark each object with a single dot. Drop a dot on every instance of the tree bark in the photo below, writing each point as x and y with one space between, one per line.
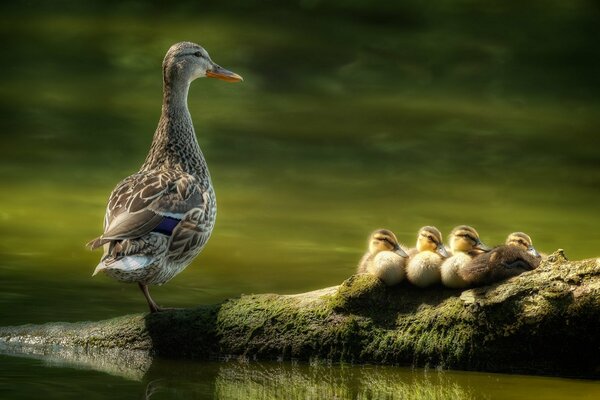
546 321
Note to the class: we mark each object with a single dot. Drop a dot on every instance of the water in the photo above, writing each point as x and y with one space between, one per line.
349 119
27 378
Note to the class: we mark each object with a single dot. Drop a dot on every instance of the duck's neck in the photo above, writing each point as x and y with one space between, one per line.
175 145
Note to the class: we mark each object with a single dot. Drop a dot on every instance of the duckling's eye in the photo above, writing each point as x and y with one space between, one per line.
198 54
471 238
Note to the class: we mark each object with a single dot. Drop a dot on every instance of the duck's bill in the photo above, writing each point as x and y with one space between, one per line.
531 250
223 74
400 252
482 246
441 250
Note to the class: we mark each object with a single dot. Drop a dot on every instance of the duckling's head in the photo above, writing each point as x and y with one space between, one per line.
186 61
385 240
430 239
523 241
465 239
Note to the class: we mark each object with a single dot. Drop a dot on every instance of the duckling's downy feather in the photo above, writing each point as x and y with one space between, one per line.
423 269
501 263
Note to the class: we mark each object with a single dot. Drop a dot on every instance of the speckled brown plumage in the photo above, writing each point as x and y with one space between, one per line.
501 263
173 183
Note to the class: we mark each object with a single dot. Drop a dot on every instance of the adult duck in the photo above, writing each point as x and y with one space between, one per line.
158 219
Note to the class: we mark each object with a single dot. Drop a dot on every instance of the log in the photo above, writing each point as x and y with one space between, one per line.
546 321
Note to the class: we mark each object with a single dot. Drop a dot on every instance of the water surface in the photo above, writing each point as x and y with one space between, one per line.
22 378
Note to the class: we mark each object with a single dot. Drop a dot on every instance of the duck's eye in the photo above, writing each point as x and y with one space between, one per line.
471 238
198 54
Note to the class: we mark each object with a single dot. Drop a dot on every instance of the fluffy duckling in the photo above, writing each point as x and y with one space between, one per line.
524 241
385 258
464 244
513 258
423 268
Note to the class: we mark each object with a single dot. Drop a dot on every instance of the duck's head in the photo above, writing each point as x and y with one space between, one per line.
385 240
465 239
523 241
430 239
187 61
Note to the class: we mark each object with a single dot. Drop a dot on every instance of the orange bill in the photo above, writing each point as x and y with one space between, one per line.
223 74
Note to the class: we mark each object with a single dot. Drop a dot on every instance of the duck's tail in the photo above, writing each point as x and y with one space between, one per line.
125 264
98 242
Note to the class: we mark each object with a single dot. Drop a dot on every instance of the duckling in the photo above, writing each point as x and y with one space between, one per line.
385 259
464 244
524 241
513 258
423 268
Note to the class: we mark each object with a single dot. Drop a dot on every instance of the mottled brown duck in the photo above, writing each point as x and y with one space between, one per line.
516 256
159 219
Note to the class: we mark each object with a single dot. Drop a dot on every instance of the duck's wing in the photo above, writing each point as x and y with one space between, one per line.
141 201
191 233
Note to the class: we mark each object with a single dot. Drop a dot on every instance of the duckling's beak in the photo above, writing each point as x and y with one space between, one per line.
398 250
441 250
531 250
221 73
482 246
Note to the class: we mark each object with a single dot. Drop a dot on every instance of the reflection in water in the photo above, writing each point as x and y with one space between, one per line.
238 381
152 387
179 379
233 380
265 381
128 364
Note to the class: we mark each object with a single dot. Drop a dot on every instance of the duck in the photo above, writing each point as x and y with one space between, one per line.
160 218
423 268
523 240
464 244
513 258
384 258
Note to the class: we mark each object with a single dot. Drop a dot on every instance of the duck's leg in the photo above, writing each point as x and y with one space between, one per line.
153 306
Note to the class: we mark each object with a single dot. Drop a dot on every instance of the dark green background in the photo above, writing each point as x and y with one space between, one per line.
353 115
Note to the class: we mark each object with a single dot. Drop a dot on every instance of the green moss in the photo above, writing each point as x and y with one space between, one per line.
360 291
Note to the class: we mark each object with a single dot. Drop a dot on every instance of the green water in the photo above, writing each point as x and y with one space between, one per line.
41 379
350 118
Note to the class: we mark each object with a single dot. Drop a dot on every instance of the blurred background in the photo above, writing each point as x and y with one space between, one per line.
353 115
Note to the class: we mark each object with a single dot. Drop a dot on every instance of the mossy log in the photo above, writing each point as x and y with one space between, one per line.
545 321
